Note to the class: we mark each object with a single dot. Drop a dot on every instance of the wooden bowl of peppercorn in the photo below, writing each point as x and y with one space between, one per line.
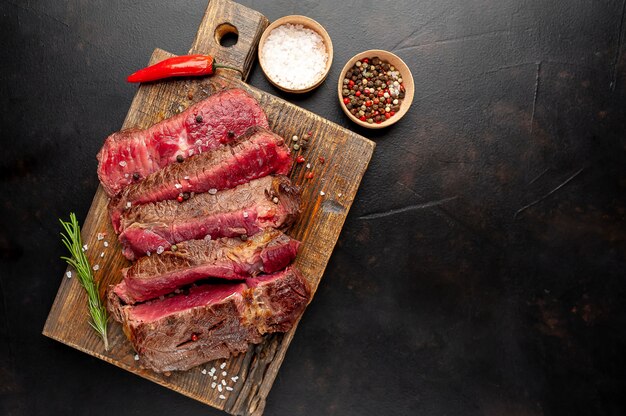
375 89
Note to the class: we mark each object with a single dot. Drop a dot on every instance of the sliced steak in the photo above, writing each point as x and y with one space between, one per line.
226 258
130 155
211 321
269 202
255 154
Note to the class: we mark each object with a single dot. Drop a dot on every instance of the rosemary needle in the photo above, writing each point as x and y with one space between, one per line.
72 240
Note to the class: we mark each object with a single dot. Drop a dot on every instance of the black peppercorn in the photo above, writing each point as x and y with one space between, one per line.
136 176
180 158
199 118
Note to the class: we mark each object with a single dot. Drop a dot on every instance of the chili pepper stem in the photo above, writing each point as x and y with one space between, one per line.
216 66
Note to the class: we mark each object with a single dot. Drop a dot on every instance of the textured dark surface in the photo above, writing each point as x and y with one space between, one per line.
444 295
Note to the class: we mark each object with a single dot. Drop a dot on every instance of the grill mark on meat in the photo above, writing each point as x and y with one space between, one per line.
146 151
226 318
227 258
245 209
257 153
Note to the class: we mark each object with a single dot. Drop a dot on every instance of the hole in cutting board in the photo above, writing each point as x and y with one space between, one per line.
226 35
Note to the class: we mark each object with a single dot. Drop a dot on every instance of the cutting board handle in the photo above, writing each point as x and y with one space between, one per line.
221 18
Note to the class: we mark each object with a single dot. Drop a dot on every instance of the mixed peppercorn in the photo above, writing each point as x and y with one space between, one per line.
373 90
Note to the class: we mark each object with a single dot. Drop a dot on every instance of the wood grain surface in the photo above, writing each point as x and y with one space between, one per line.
327 199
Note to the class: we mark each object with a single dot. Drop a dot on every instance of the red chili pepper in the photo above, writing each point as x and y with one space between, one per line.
178 66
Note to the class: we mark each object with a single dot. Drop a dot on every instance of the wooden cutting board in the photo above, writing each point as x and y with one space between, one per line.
327 199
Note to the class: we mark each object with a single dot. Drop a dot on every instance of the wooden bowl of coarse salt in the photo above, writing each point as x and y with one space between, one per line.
295 53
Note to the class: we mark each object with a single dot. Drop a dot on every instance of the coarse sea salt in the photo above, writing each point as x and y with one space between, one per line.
294 56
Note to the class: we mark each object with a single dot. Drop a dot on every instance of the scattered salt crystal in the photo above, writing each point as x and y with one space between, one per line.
177 186
212 191
126 175
203 371
212 370
234 379
224 382
229 388
222 397
214 377
177 291
96 267
245 214
294 138
129 204
339 195
223 365
294 56
123 163
190 152
69 274
213 385
85 247
102 254
136 357
101 236
224 374
207 237
308 166
219 387
322 193
148 253
106 243
186 178
160 250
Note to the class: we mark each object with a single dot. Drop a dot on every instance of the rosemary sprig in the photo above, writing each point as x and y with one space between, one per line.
72 240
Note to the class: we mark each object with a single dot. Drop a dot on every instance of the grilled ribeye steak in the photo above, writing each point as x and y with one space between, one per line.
257 153
269 202
130 155
226 258
211 321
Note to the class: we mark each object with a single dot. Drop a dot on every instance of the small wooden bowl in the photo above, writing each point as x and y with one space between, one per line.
309 24
407 80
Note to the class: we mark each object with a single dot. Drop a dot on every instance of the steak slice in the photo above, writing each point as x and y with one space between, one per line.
211 321
269 202
257 153
130 155
227 258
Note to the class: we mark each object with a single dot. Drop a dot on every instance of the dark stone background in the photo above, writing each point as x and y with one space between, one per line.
443 295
